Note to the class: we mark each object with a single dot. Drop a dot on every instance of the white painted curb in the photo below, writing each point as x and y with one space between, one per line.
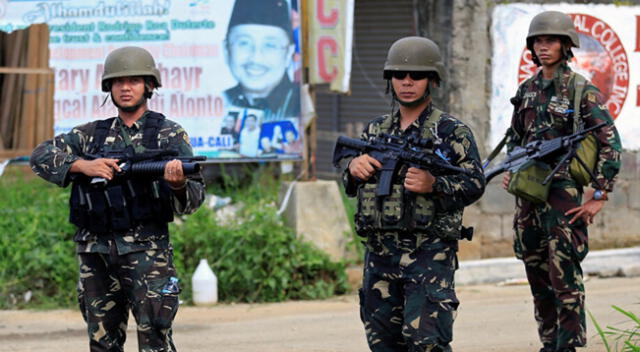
610 262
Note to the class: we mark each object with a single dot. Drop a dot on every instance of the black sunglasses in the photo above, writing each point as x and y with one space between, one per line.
415 75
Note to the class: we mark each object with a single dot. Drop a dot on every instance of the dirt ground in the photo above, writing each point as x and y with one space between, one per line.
490 318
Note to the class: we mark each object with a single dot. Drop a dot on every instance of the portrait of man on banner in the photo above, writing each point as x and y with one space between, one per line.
250 134
259 51
231 127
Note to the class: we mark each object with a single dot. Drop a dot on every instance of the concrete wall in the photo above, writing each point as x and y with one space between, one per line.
316 212
462 29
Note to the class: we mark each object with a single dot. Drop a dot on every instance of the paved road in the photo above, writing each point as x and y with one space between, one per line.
491 318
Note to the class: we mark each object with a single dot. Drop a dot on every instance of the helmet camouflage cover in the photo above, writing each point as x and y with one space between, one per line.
414 54
129 61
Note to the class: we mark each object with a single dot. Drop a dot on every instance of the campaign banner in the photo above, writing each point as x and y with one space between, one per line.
330 42
230 70
609 42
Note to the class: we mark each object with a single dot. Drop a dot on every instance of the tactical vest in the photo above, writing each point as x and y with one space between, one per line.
121 204
401 211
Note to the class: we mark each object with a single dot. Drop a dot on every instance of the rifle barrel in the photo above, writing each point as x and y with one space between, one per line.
352 143
156 168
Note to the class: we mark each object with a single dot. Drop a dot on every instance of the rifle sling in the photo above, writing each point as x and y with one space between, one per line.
496 150
580 84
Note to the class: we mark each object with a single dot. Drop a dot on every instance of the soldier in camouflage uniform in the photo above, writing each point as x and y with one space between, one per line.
551 237
408 300
125 257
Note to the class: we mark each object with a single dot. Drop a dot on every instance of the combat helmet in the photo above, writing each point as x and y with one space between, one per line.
552 23
129 61
414 54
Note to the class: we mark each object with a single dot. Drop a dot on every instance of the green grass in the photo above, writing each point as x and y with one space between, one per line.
355 241
37 255
617 338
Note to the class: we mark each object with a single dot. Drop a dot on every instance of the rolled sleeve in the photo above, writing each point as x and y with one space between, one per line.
609 145
195 190
52 159
194 197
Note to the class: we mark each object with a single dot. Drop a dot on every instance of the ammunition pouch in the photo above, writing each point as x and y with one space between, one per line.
400 211
119 206
527 181
120 219
587 152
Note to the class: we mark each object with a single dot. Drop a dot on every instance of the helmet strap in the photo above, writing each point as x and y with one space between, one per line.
534 57
567 54
130 109
148 87
413 103
392 103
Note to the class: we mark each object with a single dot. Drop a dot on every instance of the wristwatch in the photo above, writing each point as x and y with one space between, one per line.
600 195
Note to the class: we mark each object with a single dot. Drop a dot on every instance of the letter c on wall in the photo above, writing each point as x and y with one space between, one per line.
326 43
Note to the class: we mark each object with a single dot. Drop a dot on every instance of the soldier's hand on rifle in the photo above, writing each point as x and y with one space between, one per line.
363 167
505 180
174 175
102 167
419 181
586 211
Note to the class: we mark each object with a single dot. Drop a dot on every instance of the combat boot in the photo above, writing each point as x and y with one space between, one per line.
547 348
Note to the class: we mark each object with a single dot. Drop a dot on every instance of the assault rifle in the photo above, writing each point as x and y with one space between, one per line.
151 163
543 150
392 152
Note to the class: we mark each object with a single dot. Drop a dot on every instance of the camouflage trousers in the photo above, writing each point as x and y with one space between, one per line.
110 285
408 301
552 250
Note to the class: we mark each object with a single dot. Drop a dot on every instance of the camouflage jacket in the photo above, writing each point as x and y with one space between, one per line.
451 192
543 109
52 161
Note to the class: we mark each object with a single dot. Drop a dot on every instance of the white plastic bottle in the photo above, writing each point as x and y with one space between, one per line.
204 284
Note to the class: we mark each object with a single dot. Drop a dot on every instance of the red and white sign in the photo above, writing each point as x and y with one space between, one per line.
330 42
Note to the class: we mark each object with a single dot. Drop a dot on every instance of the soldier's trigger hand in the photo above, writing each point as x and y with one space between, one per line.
419 181
102 167
363 167
505 180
